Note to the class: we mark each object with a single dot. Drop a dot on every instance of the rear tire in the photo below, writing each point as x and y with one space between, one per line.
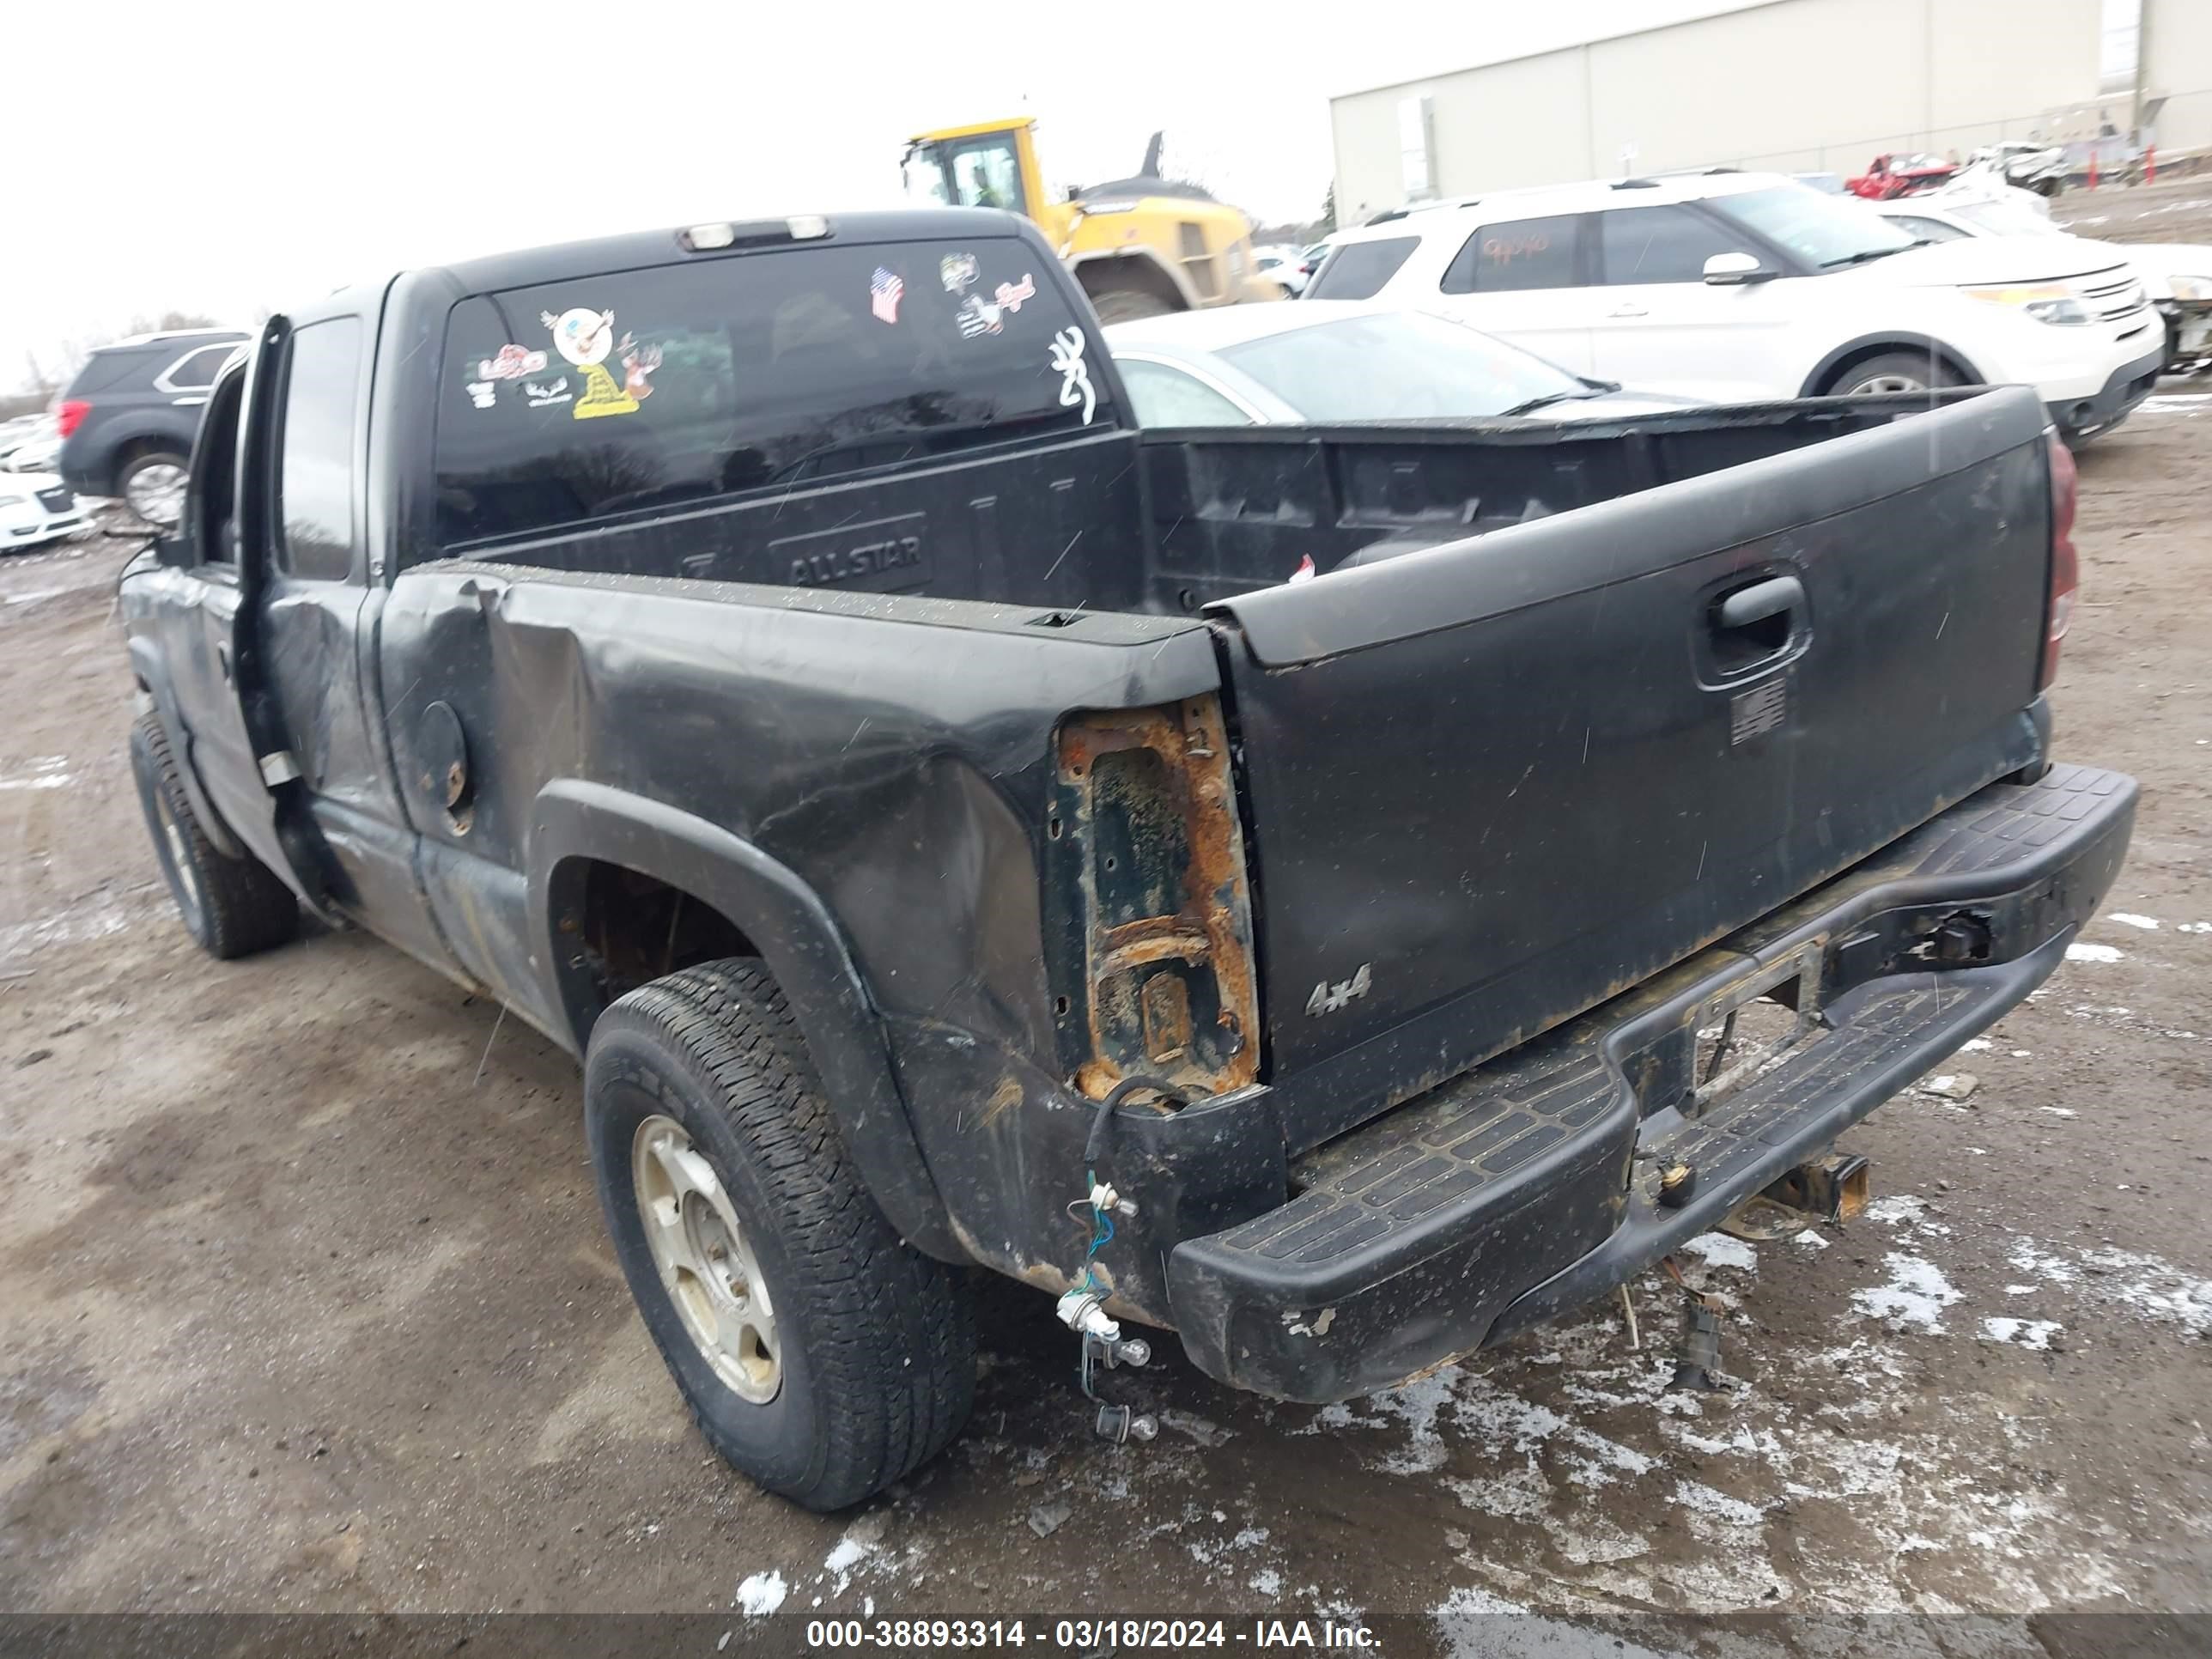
1126 305
818 1353
1894 371
152 485
231 907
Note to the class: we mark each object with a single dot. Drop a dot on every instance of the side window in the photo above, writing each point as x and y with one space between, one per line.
314 492
1357 270
1520 253
196 370
1661 245
1168 397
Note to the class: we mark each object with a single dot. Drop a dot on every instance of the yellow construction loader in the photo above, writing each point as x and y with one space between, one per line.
1140 246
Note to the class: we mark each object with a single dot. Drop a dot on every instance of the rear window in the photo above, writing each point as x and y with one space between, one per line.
1357 270
579 400
1519 253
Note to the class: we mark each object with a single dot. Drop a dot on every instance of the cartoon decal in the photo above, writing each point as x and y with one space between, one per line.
977 315
637 362
956 271
585 337
885 292
542 397
1074 376
1010 295
482 392
512 364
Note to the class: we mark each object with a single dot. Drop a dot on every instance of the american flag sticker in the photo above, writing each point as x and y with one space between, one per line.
884 293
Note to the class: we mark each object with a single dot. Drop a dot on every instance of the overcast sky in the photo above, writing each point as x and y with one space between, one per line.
222 155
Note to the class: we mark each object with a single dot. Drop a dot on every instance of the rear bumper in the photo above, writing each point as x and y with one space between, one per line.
1530 1186
2129 385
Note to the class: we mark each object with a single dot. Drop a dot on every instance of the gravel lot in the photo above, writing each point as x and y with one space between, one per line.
307 1305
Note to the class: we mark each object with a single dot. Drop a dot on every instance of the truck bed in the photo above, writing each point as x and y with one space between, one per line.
1165 522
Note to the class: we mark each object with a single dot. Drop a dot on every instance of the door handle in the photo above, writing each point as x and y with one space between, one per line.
1761 600
1629 311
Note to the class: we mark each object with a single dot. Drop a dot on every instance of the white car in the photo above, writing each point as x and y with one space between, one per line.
1755 283
2177 275
29 442
1282 266
35 507
37 453
1328 361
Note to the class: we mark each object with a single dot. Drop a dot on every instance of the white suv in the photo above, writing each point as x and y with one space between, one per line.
1751 286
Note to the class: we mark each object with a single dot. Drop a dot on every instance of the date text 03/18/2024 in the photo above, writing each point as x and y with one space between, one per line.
1086 1635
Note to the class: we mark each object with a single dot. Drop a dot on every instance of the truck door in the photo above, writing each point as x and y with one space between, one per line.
316 609
199 636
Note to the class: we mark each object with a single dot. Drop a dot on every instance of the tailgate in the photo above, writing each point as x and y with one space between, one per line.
1492 784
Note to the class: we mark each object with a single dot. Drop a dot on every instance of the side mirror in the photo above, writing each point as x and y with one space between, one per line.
175 552
1732 269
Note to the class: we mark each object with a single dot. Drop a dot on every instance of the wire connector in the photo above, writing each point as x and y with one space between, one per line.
1082 1311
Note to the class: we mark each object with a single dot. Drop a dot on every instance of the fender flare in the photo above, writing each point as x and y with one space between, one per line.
1142 254
1890 340
798 938
147 663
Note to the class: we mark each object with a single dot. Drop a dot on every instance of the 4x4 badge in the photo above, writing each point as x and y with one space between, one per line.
1326 998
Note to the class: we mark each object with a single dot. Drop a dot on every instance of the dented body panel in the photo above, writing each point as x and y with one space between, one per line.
1022 769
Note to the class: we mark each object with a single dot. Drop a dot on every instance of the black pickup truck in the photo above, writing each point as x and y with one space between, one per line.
767 657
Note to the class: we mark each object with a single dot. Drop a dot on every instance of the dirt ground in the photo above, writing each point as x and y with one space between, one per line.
305 1303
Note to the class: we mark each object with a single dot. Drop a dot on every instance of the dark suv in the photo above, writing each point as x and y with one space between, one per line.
129 417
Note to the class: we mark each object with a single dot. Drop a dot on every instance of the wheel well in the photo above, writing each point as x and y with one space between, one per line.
1101 275
1833 374
616 928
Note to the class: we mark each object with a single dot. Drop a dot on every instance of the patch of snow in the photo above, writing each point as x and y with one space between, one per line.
1722 1251
2059 1111
2128 919
2195 928
1976 1046
1696 1496
2079 952
1266 1580
2034 1333
1811 1240
1915 1296
46 773
1896 1207
761 1595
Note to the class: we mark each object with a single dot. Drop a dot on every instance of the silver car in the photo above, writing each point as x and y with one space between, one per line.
1321 362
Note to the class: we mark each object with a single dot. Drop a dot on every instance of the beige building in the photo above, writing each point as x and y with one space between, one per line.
1792 85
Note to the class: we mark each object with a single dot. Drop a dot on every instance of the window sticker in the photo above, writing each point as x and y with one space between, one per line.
1074 376
585 337
956 271
637 362
884 291
512 364
1010 295
482 393
977 315
542 396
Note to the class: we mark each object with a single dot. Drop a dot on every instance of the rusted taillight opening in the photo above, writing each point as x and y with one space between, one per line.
2065 562
1145 868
